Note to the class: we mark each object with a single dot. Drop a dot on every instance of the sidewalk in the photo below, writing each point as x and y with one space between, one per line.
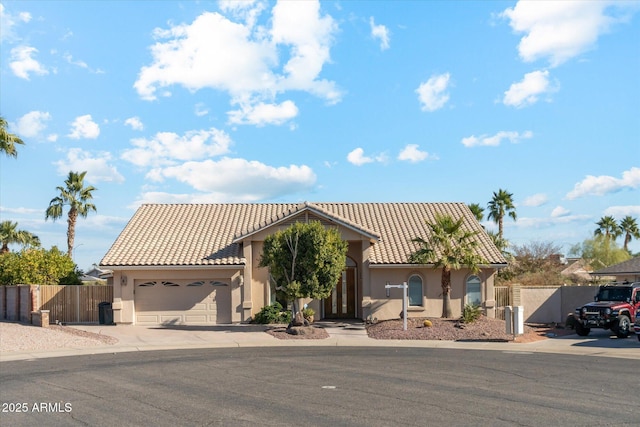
140 338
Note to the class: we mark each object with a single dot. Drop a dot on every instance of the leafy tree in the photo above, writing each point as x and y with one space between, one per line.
37 266
9 234
477 211
8 140
76 196
500 205
608 227
600 252
535 256
629 227
448 246
305 260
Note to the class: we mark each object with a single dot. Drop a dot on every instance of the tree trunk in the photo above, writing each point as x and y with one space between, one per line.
446 293
71 231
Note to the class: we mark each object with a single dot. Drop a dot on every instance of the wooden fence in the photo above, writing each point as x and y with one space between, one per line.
74 304
67 304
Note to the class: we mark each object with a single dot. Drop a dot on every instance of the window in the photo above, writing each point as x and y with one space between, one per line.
415 291
474 293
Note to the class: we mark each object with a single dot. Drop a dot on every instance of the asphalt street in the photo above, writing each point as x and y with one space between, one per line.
320 386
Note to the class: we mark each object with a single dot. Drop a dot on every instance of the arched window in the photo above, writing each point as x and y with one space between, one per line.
474 291
415 290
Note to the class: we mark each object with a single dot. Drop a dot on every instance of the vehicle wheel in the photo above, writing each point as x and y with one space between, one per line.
622 331
582 330
638 337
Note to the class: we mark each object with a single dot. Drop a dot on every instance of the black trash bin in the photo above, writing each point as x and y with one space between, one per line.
105 313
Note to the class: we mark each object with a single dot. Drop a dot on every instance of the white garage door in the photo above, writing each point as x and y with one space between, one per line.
180 302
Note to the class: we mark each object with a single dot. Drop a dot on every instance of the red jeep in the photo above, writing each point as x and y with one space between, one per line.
616 307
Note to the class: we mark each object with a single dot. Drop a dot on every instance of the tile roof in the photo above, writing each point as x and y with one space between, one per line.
210 234
629 266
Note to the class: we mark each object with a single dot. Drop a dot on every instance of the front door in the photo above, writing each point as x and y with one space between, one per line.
341 304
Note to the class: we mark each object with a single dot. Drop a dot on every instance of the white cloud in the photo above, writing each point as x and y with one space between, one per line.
495 140
243 59
84 127
80 63
261 114
22 63
381 33
97 167
239 179
358 158
559 211
535 200
432 93
562 30
622 211
412 153
135 123
541 222
528 90
604 184
8 21
200 109
32 124
167 148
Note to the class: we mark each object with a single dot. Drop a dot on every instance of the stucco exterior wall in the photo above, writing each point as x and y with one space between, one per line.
381 307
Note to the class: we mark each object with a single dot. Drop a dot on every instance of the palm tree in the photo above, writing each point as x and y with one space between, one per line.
9 234
76 196
8 140
629 227
499 206
477 211
448 246
607 227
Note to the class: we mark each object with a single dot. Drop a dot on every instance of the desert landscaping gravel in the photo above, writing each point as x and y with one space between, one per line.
19 337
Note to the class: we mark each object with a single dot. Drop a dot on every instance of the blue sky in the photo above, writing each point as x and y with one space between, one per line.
356 101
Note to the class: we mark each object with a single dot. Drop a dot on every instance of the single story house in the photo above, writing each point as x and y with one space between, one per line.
198 263
628 270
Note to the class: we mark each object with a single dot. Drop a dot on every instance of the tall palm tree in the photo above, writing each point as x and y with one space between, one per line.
607 227
448 246
629 227
500 205
76 196
8 140
9 234
477 211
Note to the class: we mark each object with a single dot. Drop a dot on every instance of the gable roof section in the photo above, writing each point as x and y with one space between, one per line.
630 266
317 210
211 234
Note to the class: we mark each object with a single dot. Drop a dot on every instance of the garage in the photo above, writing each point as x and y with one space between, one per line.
181 302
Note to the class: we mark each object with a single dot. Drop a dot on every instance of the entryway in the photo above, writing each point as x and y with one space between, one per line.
342 302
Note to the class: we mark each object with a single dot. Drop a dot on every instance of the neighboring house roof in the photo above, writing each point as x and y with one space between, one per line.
98 273
578 268
211 234
630 266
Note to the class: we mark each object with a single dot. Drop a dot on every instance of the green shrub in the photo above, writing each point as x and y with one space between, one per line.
308 313
272 314
471 313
